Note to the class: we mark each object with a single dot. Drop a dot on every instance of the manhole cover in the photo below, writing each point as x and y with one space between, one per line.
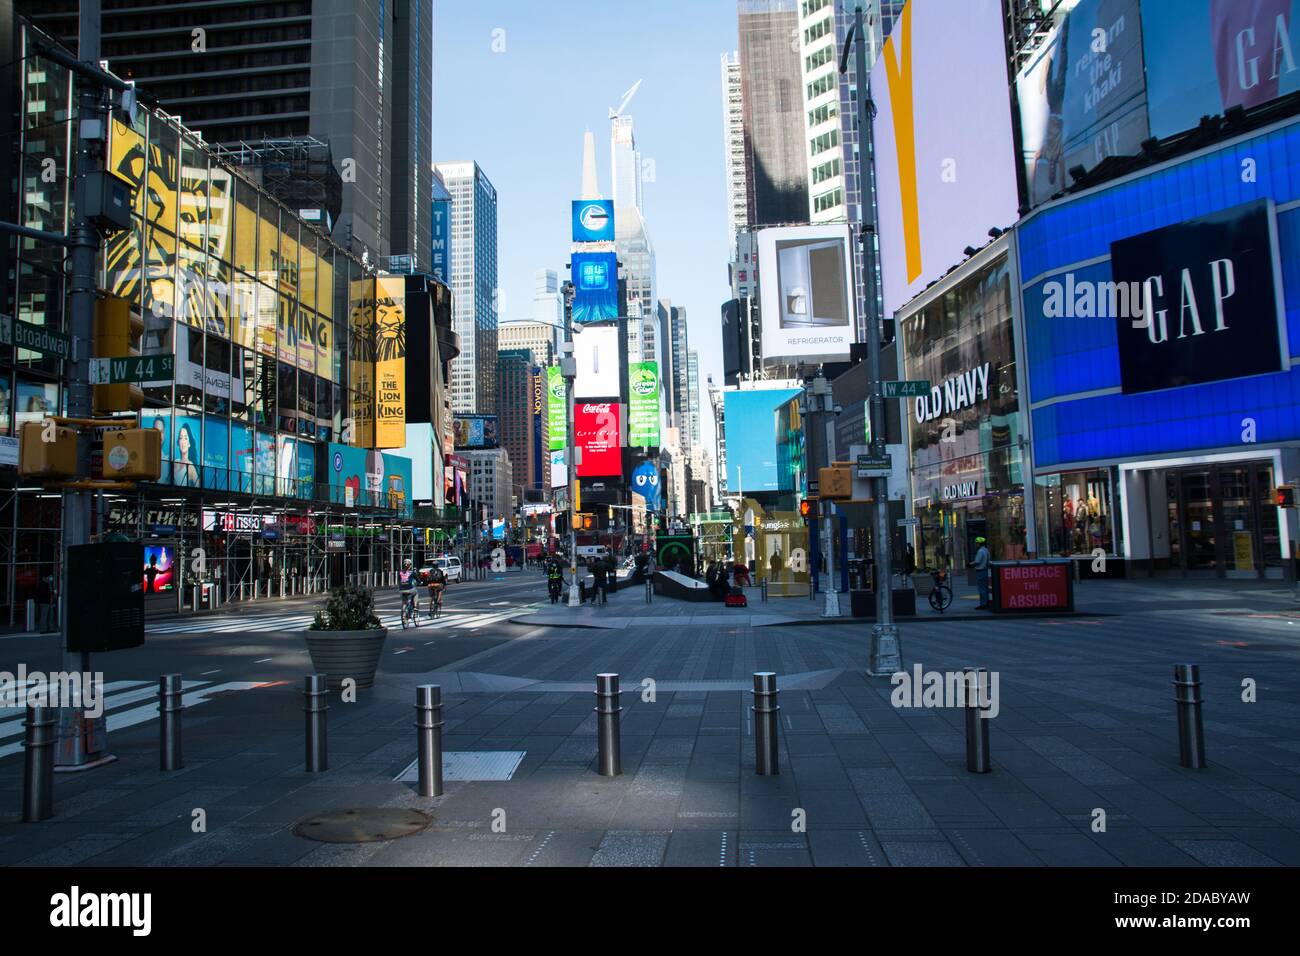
362 826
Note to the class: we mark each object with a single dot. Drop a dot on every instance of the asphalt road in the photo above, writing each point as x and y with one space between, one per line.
264 641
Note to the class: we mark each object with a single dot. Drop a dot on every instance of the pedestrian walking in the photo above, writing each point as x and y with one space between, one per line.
45 603
600 574
981 566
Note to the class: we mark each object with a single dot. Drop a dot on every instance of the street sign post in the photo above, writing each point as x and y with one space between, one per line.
907 389
35 338
132 368
874 466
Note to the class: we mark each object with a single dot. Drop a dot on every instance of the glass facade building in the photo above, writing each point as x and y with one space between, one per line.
278 334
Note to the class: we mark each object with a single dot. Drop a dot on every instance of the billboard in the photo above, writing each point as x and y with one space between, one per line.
643 404
159 561
440 249
358 476
390 361
646 483
1212 298
597 353
361 361
944 155
1206 56
559 472
808 298
537 421
756 463
556 414
476 431
595 286
593 220
1082 97
596 427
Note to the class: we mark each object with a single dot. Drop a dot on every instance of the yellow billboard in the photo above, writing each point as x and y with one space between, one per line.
390 362
361 364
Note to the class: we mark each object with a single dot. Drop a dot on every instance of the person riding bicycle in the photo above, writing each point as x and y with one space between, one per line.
554 579
406 585
436 581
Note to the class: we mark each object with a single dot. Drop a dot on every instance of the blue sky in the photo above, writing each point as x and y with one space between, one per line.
521 115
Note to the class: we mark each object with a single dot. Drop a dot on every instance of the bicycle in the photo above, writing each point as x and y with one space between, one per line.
941 593
410 610
435 604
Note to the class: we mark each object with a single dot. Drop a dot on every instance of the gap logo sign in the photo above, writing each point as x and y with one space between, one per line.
1211 300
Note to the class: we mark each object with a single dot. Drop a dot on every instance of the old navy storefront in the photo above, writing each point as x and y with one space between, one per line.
965 440
1160 315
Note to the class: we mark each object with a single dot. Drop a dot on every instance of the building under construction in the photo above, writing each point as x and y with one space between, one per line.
299 172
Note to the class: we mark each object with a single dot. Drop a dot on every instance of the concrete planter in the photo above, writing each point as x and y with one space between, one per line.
343 654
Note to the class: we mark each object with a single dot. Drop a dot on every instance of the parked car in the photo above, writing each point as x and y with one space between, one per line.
450 567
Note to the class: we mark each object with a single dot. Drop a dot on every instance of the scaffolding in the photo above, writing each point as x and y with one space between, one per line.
298 171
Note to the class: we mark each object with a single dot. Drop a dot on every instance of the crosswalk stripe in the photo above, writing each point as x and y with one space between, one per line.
9 697
13 726
122 719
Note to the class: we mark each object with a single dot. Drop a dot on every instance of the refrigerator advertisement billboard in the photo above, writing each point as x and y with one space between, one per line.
807 293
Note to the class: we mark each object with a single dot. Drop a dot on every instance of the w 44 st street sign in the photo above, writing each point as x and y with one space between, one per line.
908 389
132 368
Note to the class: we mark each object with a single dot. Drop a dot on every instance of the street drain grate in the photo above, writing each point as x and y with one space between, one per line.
466 765
363 825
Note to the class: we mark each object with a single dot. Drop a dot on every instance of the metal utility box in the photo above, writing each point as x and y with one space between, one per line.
108 200
132 454
38 458
105 596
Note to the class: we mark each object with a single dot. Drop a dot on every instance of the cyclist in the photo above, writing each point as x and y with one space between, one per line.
554 579
406 585
436 581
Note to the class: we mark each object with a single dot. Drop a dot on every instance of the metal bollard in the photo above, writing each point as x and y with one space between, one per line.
31 615
977 725
197 598
764 584
649 590
767 713
428 724
608 709
169 722
38 764
314 706
1191 732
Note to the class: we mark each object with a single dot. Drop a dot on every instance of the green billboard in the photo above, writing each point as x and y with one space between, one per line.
643 402
556 418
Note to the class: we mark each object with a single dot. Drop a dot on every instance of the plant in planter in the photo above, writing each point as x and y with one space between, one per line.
346 638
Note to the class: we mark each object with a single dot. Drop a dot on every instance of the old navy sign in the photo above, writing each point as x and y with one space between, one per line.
960 391
1211 300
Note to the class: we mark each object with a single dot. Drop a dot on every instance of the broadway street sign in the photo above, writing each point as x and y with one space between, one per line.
36 338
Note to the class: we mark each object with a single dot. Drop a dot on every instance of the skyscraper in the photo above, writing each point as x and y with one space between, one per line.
675 371
733 128
474 286
354 74
692 400
776 167
636 252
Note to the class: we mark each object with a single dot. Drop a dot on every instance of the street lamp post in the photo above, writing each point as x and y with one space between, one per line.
569 371
885 655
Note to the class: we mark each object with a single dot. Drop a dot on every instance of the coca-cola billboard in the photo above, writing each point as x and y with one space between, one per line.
596 430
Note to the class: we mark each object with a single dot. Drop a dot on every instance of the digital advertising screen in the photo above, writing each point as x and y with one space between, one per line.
811 298
476 431
643 404
593 220
596 433
945 162
597 353
186 451
159 561
595 286
753 464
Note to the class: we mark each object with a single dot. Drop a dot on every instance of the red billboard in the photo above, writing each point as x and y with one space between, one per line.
1033 586
596 432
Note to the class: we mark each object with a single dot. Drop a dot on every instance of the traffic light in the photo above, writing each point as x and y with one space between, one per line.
1286 496
835 482
562 523
805 508
133 453
46 450
117 332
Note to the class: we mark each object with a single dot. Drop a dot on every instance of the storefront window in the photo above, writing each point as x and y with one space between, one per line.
1075 512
